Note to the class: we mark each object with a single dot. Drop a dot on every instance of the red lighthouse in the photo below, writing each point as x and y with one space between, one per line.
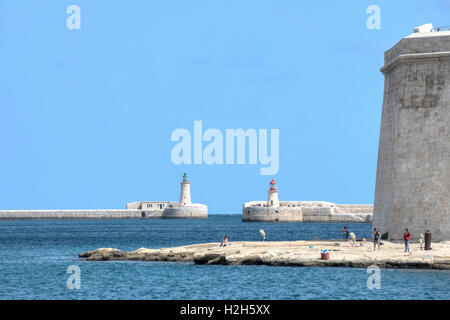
272 197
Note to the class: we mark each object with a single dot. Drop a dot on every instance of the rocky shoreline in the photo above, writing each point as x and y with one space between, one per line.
288 253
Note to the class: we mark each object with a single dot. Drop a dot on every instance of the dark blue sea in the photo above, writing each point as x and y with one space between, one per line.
35 255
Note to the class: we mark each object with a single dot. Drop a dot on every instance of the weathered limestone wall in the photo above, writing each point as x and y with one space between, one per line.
353 208
272 214
330 215
304 211
413 174
182 212
171 210
70 214
150 205
195 211
134 205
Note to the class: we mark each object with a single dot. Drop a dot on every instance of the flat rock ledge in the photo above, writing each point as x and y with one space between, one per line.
289 253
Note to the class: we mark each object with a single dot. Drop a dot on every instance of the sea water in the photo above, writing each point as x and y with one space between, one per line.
35 256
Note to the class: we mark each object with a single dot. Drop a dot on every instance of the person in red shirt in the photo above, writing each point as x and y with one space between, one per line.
407 237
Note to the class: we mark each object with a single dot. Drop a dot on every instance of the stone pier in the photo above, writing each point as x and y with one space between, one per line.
289 253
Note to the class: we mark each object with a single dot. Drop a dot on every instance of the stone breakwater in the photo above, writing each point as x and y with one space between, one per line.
70 214
289 253
307 211
194 211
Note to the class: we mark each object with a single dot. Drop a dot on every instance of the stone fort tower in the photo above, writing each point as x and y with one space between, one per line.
413 174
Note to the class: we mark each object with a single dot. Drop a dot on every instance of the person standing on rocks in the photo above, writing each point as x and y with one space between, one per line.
407 237
345 233
376 238
422 241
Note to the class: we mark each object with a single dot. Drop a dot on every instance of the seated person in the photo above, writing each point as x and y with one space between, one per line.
224 241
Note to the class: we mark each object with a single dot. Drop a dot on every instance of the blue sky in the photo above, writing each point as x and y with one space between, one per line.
86 115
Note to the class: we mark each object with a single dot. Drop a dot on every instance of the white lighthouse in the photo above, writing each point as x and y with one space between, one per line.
185 194
272 198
